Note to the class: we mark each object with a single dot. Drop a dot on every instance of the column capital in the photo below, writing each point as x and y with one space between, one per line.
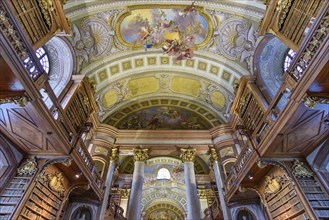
114 154
213 155
187 155
140 155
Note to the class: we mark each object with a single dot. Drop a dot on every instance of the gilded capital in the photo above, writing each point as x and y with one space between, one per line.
187 155
140 155
213 155
114 154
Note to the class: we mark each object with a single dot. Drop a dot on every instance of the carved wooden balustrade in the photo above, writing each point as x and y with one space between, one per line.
81 154
261 122
39 19
65 117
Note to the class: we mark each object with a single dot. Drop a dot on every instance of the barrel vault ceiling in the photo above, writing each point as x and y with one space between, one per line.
139 89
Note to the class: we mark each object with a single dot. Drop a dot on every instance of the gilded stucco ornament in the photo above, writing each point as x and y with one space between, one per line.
124 193
140 155
46 7
21 101
187 155
300 171
28 168
204 193
114 154
312 101
54 181
273 184
213 155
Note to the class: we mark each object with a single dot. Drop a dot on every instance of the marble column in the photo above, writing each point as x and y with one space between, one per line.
109 177
193 204
219 183
135 200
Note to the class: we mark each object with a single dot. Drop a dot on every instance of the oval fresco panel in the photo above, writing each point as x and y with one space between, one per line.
160 23
170 118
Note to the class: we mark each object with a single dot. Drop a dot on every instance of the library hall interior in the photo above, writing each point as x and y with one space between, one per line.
164 109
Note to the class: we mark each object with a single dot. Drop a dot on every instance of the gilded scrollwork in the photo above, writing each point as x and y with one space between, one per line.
21 101
114 154
54 181
312 101
140 155
124 193
46 10
204 193
300 171
272 184
213 155
187 155
28 168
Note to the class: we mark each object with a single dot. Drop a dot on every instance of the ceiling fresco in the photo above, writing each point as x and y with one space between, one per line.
111 49
161 24
156 118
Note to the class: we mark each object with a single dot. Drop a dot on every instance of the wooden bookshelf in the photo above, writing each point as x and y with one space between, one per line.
42 204
316 196
12 195
285 204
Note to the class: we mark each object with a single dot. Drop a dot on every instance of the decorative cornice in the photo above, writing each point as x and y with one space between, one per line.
187 155
140 155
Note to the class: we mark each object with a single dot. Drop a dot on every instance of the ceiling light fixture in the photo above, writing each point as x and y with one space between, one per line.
78 175
249 175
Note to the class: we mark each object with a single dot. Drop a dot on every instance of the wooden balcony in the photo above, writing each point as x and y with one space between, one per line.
284 127
40 20
281 19
43 124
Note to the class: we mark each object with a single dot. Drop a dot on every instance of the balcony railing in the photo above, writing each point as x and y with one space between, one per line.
264 128
65 119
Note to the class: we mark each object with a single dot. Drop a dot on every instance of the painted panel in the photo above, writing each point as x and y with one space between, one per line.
163 118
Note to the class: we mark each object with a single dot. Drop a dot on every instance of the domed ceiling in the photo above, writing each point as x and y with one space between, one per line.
126 49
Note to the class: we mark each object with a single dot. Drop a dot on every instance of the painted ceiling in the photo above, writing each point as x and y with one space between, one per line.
133 81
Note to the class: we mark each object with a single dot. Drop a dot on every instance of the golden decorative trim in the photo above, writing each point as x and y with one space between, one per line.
140 155
273 184
130 8
300 171
213 155
54 181
124 193
312 101
21 101
204 193
28 168
46 7
187 155
114 154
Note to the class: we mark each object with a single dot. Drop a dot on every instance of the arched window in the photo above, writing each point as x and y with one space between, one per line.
288 60
43 58
163 174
